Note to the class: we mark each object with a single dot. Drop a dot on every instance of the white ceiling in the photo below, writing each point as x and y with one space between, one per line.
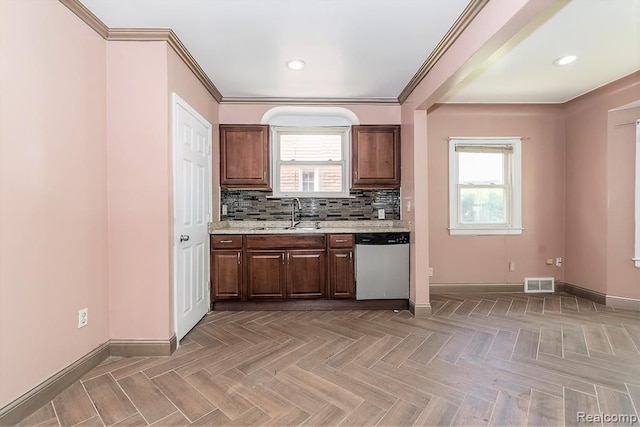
604 34
370 49
352 48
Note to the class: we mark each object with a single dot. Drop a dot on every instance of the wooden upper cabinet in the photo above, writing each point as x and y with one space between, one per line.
244 156
375 156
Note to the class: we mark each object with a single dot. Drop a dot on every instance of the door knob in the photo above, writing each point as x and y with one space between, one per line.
184 237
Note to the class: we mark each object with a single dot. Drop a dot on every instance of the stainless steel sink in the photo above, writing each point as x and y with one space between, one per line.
284 228
271 228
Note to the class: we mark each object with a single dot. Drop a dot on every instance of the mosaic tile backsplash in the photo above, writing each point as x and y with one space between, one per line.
254 205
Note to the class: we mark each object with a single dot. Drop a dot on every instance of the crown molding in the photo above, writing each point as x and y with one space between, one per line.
144 34
468 14
308 101
87 16
160 34
165 34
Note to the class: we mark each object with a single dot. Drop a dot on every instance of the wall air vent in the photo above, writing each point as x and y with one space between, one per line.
539 284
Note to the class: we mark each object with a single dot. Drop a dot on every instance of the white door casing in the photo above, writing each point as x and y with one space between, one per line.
192 212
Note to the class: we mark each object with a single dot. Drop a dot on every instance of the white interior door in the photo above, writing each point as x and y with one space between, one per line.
192 206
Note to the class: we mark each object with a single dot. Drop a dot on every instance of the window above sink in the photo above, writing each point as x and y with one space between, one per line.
310 162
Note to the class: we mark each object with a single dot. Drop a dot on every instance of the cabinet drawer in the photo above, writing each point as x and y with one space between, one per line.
340 240
226 241
272 241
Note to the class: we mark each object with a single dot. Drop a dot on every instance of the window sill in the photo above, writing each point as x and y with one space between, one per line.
485 231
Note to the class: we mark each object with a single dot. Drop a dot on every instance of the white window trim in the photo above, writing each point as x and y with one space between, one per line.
345 131
514 227
636 258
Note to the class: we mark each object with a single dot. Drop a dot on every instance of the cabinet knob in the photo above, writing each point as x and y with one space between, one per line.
184 237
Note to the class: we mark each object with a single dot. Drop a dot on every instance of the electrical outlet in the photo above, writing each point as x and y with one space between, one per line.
224 209
512 266
409 206
381 214
83 318
558 262
430 271
549 261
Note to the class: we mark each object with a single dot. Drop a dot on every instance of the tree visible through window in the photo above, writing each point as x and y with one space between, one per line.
483 187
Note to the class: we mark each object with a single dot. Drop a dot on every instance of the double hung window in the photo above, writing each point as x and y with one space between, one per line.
310 162
485 191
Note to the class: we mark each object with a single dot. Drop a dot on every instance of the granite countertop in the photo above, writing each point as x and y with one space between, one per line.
309 227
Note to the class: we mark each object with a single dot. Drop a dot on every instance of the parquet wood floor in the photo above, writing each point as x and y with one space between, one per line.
489 359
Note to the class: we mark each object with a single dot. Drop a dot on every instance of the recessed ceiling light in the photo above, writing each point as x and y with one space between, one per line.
295 64
564 60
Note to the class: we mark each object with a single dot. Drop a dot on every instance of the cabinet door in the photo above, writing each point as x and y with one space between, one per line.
244 156
306 274
265 274
375 156
226 275
341 274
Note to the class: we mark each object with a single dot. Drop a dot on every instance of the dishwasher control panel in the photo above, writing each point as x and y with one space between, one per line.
382 238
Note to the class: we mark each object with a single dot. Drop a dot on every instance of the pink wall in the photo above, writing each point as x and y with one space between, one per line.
623 279
597 184
141 78
184 83
485 259
494 26
252 113
586 201
53 202
139 188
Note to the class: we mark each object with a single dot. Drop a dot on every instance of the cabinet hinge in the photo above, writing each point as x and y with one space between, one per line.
209 148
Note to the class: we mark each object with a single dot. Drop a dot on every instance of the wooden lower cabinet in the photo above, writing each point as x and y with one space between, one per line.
226 275
306 274
286 274
281 267
265 274
341 274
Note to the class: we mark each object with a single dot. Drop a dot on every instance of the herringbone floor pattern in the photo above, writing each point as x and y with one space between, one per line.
490 359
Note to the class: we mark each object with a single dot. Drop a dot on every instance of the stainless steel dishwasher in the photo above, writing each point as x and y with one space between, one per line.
382 266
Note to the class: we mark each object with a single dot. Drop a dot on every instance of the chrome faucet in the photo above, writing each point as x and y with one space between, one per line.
295 202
